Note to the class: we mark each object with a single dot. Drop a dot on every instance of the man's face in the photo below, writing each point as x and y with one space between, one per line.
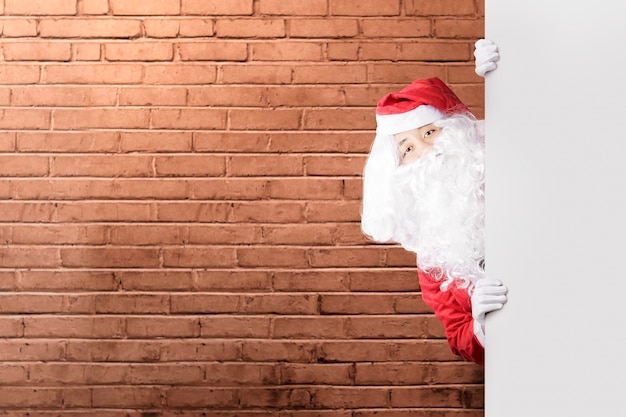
414 143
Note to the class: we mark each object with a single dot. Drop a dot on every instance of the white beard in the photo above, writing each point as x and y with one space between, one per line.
440 204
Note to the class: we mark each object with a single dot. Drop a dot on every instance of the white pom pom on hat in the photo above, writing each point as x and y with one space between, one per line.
420 103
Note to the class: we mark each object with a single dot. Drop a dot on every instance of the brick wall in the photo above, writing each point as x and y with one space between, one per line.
179 216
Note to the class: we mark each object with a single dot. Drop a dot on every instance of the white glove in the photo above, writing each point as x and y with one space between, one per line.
486 54
488 295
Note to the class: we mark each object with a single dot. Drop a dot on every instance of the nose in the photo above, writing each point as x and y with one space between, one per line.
420 148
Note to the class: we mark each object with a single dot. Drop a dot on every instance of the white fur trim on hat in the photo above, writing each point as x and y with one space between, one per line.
390 124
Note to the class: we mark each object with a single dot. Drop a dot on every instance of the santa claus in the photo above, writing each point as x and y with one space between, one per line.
424 188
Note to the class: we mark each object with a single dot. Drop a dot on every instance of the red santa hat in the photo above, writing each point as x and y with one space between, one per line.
420 103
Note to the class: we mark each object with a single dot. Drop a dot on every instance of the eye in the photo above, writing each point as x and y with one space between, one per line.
430 132
407 150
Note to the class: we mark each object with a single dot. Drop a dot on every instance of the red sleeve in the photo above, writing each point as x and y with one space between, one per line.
453 308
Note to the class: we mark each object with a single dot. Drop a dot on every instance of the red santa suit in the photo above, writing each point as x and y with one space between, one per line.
453 308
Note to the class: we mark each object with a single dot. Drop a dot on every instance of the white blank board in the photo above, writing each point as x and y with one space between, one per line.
556 208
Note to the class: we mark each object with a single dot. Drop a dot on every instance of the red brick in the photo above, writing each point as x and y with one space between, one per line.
101 166
297 235
244 280
403 73
16 28
331 74
86 51
228 374
19 74
294 7
434 51
67 280
48 303
145 7
305 189
200 350
155 141
162 28
131 304
161 326
253 73
49 7
206 303
102 211
350 397
136 51
134 397
267 212
37 51
286 51
13 397
93 74
246 28
427 397
89 142
270 165
73 327
317 374
401 28
23 166
201 118
33 350
196 28
24 118
211 212
334 165
19 257
151 96
202 397
101 118
93 7
311 327
341 119
281 119
459 28
227 95
156 280
440 8
11 326
323 28
217 7
278 350
74 234
360 8
86 28
115 257
63 96
287 304
213 51
190 166
237 326
7 141
311 280
272 257
5 96
189 74
394 326
230 189
199 257
138 235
